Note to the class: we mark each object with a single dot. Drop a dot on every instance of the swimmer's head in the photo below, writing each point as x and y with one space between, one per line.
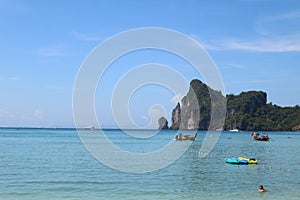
261 187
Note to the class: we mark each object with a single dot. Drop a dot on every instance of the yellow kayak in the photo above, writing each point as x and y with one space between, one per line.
250 160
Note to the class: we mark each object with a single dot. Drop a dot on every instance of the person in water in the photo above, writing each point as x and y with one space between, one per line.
261 189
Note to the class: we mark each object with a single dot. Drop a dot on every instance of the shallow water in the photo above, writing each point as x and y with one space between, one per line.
54 164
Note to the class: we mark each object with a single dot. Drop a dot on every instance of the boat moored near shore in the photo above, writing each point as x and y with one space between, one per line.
181 137
257 136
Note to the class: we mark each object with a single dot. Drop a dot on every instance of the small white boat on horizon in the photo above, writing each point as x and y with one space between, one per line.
89 128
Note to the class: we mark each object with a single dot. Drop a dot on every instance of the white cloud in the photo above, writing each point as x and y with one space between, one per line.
254 81
10 78
39 114
14 6
282 16
157 111
272 36
288 43
234 66
58 88
86 37
282 23
52 51
13 78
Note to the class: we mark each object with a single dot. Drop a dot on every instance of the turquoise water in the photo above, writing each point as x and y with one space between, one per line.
53 164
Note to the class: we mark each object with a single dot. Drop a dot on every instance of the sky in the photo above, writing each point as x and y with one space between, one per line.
255 45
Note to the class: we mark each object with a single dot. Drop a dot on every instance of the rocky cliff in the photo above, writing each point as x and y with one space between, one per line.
163 123
195 109
176 117
246 111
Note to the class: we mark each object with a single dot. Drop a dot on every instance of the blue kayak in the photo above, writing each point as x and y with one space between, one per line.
236 161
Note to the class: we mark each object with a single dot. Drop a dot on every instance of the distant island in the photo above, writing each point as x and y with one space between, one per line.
248 111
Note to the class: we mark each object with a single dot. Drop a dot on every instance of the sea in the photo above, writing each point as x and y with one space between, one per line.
40 163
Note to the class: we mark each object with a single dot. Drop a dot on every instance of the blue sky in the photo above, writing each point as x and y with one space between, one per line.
255 44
